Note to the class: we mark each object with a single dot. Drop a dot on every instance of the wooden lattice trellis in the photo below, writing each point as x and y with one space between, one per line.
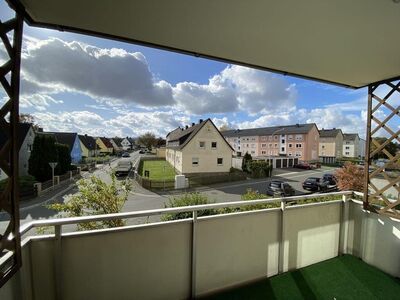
383 180
11 36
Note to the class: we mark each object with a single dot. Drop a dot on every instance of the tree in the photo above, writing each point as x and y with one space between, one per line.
390 147
96 197
28 118
245 162
161 142
43 151
148 140
63 159
350 177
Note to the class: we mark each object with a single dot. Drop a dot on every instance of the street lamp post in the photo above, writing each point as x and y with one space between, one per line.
53 166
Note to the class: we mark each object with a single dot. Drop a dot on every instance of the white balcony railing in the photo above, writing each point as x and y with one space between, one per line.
199 255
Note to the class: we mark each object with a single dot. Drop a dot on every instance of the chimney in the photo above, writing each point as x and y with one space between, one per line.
200 121
193 124
334 128
297 125
85 134
40 129
186 127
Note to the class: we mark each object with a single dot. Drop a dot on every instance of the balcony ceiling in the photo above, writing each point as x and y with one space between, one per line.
351 43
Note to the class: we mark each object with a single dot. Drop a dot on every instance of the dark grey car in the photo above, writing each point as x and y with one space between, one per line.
280 188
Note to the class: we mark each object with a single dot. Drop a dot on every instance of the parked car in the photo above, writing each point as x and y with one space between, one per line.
123 168
330 178
125 154
315 184
304 166
141 151
280 188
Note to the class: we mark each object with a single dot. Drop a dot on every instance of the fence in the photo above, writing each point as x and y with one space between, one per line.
42 187
211 179
155 184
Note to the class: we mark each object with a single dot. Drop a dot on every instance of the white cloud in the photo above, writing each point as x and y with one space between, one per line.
103 74
129 124
237 88
39 101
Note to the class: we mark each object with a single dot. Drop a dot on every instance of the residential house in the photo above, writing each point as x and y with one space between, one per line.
116 143
26 136
133 143
199 148
362 148
330 145
300 140
105 146
72 140
126 144
88 146
351 145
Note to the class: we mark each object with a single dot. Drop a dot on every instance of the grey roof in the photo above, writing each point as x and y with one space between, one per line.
117 141
184 136
23 129
350 136
88 141
66 138
326 133
288 129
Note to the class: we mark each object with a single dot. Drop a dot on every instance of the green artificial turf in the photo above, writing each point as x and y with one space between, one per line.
157 172
343 277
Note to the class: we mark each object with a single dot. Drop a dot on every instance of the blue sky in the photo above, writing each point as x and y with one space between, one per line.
79 83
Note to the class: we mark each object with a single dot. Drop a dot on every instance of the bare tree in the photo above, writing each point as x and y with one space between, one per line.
148 140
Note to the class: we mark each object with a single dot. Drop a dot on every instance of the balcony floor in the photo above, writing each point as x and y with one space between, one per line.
344 277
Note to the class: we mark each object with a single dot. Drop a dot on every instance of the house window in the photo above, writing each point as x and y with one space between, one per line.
290 145
202 145
263 145
219 161
213 145
347 153
323 147
270 145
195 161
298 145
283 149
29 147
299 137
282 141
263 152
275 137
253 152
290 137
290 153
347 148
270 138
276 145
298 154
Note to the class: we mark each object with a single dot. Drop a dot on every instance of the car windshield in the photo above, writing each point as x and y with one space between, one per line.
312 179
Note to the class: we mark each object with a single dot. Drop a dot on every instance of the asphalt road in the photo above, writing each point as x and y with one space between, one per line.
142 199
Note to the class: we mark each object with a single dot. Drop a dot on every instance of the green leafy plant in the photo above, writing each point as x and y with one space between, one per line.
96 197
188 199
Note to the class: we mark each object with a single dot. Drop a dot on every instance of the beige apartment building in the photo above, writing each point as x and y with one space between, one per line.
199 148
351 145
299 140
330 145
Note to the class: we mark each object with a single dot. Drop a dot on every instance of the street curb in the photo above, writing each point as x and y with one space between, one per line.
45 201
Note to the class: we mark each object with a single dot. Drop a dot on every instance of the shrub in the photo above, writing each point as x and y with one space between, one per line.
96 197
188 199
350 177
260 169
43 152
23 181
245 162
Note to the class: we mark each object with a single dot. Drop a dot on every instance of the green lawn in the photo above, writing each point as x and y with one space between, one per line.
157 171
343 277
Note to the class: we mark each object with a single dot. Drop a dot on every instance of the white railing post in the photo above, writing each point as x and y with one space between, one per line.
282 237
193 269
344 225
